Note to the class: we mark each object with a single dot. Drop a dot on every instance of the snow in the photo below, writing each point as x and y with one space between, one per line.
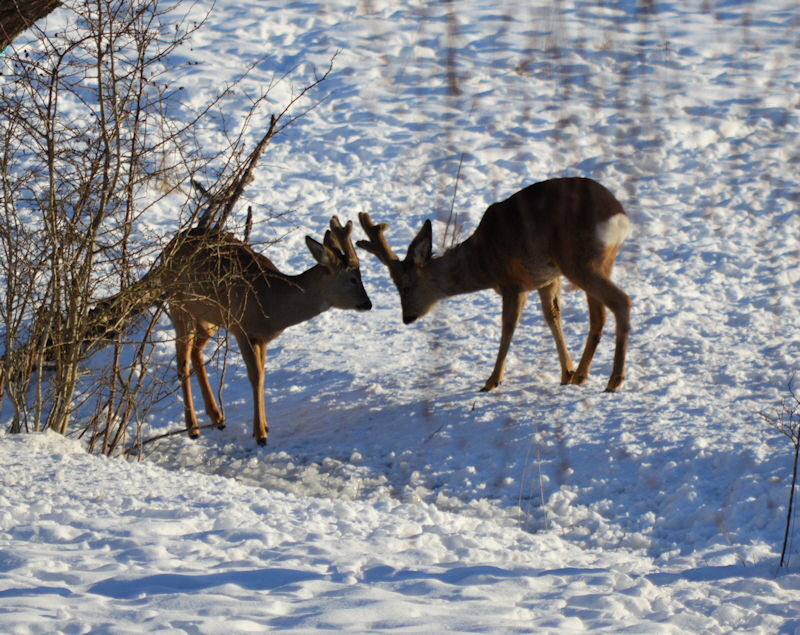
392 495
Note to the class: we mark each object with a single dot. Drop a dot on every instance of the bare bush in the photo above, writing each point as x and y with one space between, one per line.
93 138
786 420
86 133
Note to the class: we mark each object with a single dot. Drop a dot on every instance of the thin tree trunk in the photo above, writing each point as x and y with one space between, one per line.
18 15
791 501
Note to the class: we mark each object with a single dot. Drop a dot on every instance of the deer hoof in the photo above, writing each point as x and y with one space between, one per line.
577 379
194 435
262 442
613 384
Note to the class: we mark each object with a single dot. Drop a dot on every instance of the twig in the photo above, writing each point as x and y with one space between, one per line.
246 177
450 219
164 435
228 200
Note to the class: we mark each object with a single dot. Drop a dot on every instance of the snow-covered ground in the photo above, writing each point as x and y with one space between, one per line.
392 494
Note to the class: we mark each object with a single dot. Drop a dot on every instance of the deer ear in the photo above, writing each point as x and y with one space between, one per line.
321 253
421 248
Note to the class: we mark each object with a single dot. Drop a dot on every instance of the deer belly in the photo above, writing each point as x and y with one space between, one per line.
532 275
206 306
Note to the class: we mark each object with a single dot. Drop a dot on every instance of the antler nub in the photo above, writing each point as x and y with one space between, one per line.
377 244
338 237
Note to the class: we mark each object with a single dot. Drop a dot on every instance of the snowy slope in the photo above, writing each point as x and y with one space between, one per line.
392 494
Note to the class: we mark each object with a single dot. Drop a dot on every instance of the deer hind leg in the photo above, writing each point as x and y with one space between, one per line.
600 293
621 307
550 296
184 342
513 303
254 353
203 334
597 319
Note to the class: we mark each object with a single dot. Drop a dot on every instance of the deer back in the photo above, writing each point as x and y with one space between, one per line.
216 277
543 230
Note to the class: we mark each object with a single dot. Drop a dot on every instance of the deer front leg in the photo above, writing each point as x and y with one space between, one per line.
204 333
550 296
184 340
513 303
254 353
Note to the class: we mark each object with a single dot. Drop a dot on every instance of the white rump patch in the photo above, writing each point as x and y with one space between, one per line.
613 231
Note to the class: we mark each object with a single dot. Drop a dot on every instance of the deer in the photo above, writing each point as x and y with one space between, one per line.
210 279
570 227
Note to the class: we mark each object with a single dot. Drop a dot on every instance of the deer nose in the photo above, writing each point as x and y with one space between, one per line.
366 306
408 319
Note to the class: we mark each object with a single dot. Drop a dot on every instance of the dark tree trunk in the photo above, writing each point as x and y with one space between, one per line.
18 15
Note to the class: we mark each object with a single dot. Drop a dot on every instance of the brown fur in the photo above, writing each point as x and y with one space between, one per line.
213 280
524 243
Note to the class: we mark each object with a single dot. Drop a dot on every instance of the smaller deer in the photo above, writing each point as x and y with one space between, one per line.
569 226
210 279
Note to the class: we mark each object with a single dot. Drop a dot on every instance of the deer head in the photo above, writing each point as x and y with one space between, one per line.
344 289
418 290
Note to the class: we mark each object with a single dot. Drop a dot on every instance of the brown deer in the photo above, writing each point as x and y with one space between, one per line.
210 279
569 226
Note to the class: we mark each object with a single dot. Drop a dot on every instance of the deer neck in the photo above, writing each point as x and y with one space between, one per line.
301 297
458 271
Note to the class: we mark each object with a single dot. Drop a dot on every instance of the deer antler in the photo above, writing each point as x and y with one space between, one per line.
338 237
376 245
